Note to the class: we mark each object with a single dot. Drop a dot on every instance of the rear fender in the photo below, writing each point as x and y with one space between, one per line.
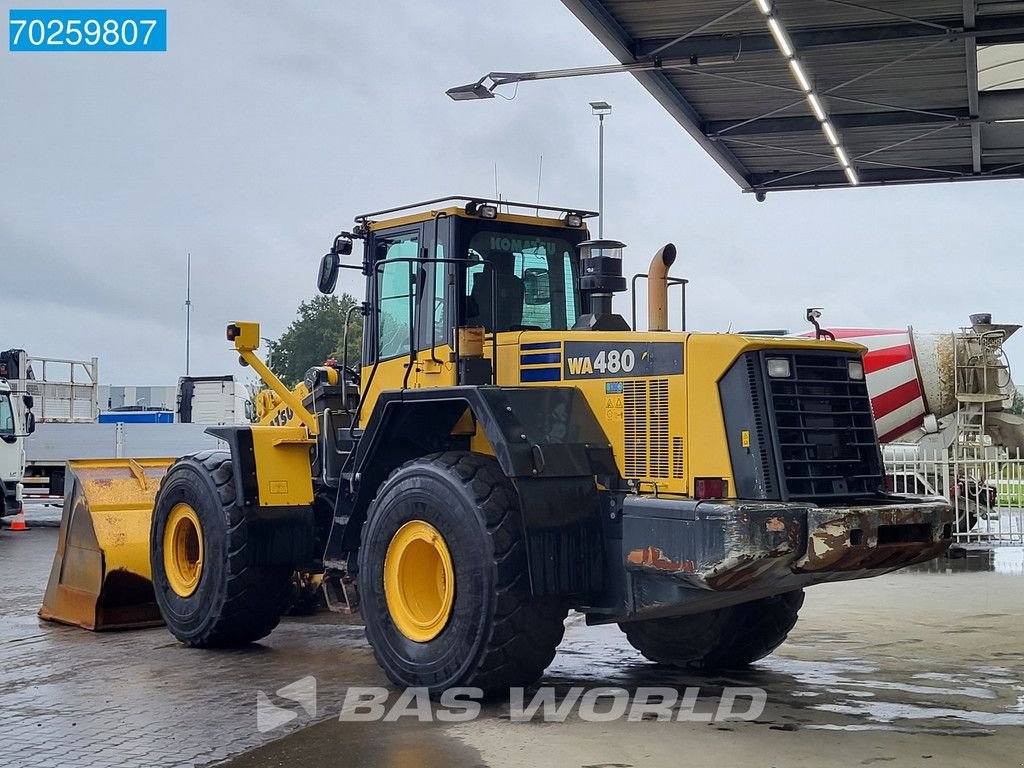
272 468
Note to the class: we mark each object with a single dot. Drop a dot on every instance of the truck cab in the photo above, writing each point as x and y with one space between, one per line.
14 427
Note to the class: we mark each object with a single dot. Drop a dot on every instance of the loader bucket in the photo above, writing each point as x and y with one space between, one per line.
100 578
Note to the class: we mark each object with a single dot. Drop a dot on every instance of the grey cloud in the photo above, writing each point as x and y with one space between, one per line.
268 125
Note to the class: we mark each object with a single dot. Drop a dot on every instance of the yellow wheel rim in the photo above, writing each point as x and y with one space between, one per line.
183 550
419 581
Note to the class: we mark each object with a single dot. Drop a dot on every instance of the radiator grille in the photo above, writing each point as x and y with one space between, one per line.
824 428
677 458
645 428
634 403
658 413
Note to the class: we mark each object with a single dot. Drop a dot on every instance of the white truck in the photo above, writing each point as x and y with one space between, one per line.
80 419
16 422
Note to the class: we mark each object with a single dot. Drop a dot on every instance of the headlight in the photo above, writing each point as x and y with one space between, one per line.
778 367
855 368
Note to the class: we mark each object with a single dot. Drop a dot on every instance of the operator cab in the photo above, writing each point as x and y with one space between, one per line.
434 267
467 266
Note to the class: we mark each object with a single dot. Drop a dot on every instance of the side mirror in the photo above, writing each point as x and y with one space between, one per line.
30 422
29 401
329 266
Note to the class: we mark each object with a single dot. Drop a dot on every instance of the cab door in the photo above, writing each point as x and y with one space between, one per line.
389 331
434 364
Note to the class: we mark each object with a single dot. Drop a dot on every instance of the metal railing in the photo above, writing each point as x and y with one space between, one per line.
985 485
64 390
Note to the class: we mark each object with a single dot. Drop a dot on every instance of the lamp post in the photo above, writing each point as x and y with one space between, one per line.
601 109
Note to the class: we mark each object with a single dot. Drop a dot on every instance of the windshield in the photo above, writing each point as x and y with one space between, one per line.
6 415
532 281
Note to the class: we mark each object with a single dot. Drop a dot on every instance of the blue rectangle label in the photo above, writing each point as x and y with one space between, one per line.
81 29
542 357
540 374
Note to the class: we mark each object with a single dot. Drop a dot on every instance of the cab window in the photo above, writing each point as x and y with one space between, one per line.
6 415
396 291
521 283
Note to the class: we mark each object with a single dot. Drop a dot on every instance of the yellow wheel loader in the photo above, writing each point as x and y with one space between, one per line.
514 449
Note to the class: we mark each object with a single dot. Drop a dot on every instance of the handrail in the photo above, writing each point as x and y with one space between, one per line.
680 281
361 218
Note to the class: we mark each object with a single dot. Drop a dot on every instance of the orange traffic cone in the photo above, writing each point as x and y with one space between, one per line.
18 523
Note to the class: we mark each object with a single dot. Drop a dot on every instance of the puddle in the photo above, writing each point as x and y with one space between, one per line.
1008 561
402 744
887 712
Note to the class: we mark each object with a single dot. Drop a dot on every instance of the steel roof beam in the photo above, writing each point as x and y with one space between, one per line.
1001 105
610 33
873 177
839 120
971 55
989 29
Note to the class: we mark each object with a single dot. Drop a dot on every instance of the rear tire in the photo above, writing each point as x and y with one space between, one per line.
492 634
231 602
726 638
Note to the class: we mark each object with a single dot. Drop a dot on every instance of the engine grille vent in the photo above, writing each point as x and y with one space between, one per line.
677 458
645 428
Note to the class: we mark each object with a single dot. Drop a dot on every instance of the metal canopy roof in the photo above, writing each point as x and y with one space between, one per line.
898 79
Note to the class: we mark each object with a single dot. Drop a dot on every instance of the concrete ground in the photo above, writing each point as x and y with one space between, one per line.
916 668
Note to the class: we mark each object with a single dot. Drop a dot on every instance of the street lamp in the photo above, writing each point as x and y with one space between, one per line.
601 109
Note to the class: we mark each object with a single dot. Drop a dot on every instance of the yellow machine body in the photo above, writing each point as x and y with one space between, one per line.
651 421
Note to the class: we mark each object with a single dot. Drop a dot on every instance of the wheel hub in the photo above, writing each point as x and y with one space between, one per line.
419 581
183 550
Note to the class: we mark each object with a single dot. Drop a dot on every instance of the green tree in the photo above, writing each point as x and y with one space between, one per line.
316 334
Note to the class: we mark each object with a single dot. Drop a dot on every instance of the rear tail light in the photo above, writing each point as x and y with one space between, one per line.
710 488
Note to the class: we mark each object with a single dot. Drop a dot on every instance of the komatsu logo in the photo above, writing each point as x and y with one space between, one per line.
520 245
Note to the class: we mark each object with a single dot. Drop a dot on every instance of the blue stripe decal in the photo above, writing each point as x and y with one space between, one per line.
542 345
550 357
540 374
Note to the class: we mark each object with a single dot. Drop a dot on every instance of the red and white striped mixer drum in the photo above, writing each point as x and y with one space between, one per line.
908 373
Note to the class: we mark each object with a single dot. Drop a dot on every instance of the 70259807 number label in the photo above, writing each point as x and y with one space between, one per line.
80 29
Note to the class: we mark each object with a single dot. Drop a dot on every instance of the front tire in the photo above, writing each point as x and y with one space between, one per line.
444 583
207 592
726 638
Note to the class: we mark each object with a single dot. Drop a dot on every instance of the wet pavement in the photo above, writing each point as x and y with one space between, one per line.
923 667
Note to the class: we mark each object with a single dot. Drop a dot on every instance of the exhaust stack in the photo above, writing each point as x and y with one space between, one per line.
657 288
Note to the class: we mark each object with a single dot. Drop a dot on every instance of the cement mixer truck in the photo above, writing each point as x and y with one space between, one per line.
941 406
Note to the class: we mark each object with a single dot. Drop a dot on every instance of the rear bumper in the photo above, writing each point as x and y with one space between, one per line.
683 556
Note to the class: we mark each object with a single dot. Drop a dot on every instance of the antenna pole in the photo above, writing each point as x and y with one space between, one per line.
540 173
600 177
188 309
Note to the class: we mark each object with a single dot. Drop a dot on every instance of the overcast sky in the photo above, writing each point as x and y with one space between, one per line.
268 125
